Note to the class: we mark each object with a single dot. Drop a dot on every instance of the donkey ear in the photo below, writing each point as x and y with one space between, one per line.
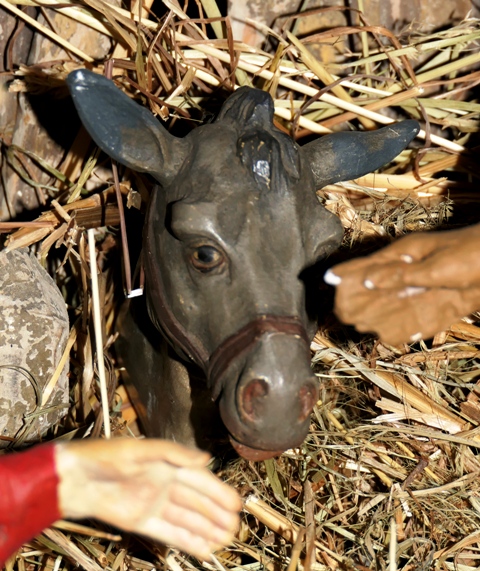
349 155
127 132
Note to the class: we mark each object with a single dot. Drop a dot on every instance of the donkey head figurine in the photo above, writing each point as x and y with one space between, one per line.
231 227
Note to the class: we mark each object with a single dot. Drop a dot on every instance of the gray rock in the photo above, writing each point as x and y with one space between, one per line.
34 330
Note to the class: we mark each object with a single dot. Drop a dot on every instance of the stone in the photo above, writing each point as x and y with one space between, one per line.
34 329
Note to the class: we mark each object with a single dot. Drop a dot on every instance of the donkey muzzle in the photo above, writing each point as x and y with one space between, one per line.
266 387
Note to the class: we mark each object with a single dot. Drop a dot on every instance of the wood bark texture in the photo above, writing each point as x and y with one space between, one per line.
41 124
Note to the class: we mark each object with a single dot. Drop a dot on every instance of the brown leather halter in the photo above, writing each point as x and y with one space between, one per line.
191 347
243 340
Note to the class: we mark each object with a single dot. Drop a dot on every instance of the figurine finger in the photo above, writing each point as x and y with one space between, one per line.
411 248
407 250
177 454
395 275
177 536
186 497
398 328
351 270
130 453
418 317
197 524
466 301
351 303
209 485
355 274
434 271
383 312
454 269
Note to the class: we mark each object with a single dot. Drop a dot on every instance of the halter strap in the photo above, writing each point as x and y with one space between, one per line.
244 339
190 346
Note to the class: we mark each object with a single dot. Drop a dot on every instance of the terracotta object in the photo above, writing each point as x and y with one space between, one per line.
232 230
34 330
416 287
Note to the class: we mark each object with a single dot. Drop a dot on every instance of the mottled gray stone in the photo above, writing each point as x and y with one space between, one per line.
34 330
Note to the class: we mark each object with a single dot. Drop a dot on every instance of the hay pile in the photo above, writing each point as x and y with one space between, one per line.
389 475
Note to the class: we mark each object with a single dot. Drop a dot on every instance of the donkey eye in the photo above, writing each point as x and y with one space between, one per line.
206 258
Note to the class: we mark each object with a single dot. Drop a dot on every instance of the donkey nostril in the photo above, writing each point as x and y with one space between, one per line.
251 398
308 397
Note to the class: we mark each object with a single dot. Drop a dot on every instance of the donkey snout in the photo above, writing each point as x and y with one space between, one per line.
308 396
268 406
255 400
252 399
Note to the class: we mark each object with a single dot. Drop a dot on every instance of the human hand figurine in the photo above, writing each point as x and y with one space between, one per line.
412 289
155 488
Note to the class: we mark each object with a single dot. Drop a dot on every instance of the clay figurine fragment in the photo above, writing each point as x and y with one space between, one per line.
232 228
413 288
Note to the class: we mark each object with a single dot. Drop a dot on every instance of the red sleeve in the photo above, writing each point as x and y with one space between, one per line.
28 496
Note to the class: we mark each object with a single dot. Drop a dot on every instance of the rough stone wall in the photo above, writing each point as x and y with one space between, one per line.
15 43
427 15
37 123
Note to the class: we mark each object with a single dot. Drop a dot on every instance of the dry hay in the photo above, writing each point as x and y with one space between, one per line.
389 475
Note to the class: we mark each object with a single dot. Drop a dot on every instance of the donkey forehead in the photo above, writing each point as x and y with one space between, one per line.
213 158
225 152
236 177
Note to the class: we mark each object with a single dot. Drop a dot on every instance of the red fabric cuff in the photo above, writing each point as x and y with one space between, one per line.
28 497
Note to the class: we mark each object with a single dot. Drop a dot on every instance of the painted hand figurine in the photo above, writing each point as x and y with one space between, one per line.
155 488
412 289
